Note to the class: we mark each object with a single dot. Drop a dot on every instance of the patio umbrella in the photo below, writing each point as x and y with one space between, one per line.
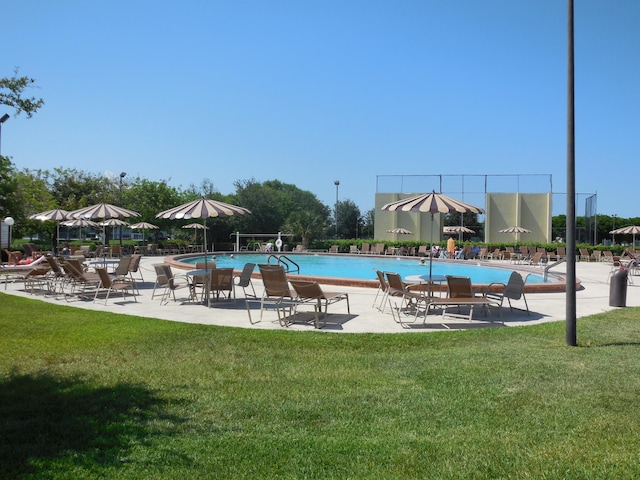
459 229
56 214
104 211
631 230
431 203
195 227
203 208
144 226
515 230
80 223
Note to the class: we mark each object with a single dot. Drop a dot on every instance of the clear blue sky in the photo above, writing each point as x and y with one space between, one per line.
307 92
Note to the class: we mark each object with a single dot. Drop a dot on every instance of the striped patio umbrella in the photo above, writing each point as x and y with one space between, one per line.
630 230
103 210
144 226
400 231
203 208
80 223
459 229
515 230
431 203
57 215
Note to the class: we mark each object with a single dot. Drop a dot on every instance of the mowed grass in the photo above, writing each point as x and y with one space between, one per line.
88 394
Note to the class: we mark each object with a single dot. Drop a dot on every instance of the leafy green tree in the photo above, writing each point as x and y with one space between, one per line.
349 219
306 225
368 221
11 94
9 204
149 198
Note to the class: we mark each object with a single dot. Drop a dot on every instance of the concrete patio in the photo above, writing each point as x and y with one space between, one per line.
592 298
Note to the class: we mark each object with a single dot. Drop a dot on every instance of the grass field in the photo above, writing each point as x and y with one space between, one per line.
88 394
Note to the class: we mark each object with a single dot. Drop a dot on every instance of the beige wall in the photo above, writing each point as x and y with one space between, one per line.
418 223
528 210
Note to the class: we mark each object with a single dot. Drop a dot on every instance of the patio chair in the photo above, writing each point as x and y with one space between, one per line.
461 295
512 290
169 283
109 283
403 296
79 281
134 266
382 288
311 292
222 283
244 280
276 291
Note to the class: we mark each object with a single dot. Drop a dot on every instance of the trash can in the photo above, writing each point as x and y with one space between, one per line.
618 289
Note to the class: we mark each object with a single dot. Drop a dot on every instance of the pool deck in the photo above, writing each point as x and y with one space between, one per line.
592 297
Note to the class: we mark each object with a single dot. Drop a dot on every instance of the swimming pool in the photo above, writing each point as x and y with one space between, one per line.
363 266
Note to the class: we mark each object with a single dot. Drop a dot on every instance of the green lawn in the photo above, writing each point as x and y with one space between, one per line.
93 395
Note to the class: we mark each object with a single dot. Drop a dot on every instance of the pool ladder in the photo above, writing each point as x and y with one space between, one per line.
289 265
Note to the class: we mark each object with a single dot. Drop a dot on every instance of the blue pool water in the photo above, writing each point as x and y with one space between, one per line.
362 267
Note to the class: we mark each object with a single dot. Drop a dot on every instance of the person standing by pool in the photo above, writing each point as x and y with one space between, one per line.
451 247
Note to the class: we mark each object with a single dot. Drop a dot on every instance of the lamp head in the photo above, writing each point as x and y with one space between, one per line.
4 118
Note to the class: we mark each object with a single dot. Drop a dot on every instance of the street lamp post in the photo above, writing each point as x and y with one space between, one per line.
337 184
613 235
3 119
122 175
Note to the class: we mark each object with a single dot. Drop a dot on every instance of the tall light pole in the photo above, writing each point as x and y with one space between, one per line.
571 318
122 175
613 235
337 184
3 119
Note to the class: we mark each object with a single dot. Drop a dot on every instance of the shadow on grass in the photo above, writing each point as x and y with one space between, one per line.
44 419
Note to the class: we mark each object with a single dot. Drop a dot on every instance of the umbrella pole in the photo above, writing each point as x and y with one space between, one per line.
431 251
204 236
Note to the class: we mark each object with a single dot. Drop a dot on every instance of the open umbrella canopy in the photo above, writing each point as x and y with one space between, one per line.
400 230
114 222
197 226
203 208
56 214
630 230
431 203
143 226
457 229
103 210
80 222
515 230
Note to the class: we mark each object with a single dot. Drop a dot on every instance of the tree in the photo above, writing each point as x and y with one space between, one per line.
349 220
306 225
8 188
11 94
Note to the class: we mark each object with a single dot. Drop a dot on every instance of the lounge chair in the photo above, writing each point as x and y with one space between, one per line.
276 292
334 249
311 292
244 280
512 290
365 248
353 249
79 281
585 255
111 283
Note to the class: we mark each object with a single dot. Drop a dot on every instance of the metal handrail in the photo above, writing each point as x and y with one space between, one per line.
549 267
284 261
